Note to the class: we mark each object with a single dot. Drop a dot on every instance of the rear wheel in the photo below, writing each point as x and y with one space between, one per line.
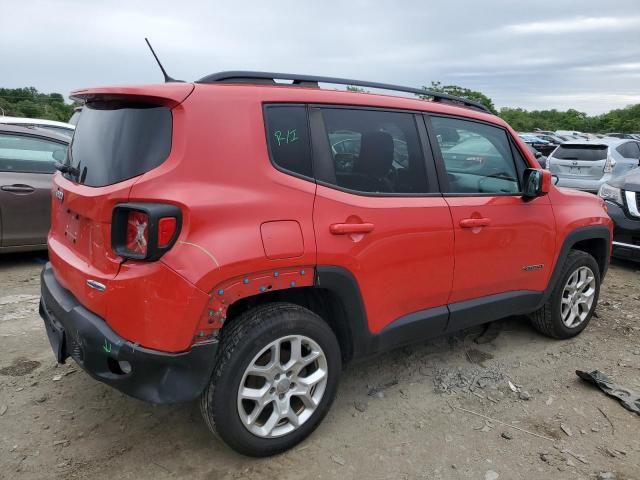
275 380
573 300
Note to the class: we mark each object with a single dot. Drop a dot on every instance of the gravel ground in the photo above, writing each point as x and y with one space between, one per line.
505 406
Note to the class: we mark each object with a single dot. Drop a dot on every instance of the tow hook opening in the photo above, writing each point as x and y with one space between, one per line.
118 367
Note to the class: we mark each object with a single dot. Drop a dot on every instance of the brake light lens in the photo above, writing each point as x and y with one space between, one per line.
137 239
144 231
609 164
166 229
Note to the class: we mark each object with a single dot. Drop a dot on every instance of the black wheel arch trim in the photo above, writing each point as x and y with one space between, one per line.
590 232
445 319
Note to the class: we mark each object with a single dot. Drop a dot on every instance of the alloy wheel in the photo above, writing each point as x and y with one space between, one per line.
578 296
282 386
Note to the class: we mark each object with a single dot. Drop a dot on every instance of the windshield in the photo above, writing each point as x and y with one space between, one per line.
116 141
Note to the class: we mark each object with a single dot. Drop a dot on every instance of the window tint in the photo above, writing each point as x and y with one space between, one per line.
20 153
116 141
478 157
629 150
375 151
288 137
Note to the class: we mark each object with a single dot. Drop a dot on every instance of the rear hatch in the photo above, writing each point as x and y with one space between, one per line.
121 134
586 161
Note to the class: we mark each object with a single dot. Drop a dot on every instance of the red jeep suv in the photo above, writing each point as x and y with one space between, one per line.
238 239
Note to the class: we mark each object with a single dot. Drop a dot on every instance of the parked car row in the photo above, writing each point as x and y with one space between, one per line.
604 164
60 128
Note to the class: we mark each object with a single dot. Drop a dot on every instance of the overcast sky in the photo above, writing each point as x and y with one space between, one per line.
537 55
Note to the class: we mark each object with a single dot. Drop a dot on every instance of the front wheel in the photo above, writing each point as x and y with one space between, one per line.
573 300
275 380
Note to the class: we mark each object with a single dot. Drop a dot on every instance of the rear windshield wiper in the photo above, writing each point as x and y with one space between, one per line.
66 168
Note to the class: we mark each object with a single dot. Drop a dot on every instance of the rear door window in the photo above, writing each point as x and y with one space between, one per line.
22 153
478 158
117 141
581 152
375 151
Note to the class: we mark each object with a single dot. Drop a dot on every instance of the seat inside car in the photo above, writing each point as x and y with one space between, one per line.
371 168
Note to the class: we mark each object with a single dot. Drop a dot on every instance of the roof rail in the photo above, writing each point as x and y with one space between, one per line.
269 78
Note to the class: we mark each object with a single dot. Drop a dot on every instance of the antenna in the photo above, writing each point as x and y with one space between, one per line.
167 78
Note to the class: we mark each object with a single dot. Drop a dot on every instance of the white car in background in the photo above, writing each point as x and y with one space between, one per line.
60 128
587 164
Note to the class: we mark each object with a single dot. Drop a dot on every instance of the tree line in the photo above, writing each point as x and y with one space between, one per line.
624 120
29 102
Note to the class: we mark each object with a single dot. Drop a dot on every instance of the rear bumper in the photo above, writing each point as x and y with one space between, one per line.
146 374
626 234
582 184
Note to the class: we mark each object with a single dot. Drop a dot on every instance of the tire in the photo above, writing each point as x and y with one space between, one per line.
251 341
548 320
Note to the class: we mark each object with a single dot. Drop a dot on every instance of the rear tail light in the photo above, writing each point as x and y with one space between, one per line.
137 232
609 164
166 230
144 231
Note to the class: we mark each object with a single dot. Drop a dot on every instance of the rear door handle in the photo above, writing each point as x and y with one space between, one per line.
475 222
18 188
349 228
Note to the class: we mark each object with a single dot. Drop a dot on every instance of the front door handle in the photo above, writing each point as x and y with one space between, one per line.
349 228
18 188
475 222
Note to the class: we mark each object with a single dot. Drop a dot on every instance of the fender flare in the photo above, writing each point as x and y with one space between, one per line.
341 282
590 232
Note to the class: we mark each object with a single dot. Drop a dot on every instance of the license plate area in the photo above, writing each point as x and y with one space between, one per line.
71 226
575 170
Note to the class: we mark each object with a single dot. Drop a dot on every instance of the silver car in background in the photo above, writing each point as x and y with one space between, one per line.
587 164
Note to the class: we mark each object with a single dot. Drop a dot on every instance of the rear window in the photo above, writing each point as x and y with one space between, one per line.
581 152
114 141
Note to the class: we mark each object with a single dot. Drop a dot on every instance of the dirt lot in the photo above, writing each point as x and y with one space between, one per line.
397 416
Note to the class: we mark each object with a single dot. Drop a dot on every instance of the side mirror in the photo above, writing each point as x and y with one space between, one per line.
538 154
536 183
556 179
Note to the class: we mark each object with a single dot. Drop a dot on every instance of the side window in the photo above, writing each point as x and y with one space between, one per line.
375 151
629 150
20 153
288 138
478 157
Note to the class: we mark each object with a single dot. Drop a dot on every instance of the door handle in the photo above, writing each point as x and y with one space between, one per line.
475 222
18 188
349 228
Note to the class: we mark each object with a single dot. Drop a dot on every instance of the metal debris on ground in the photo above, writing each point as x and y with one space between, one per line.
501 422
378 389
630 399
